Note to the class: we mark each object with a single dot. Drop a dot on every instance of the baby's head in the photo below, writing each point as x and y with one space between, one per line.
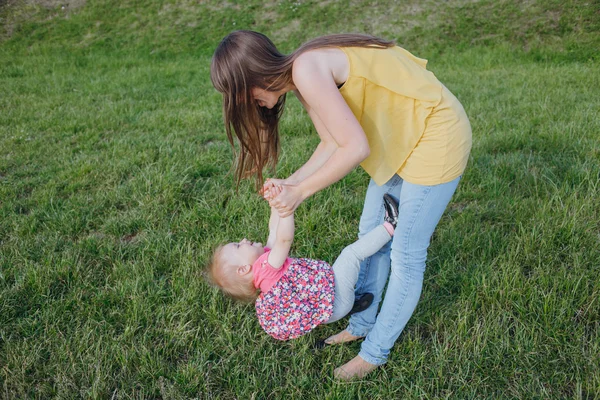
231 269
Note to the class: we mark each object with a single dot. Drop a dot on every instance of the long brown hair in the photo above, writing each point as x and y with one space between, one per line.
246 59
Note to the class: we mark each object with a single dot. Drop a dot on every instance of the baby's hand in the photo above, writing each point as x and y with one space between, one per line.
270 189
274 192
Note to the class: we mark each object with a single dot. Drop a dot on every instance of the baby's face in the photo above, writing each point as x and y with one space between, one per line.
243 252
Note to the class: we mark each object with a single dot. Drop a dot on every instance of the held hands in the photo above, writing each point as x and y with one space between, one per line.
272 188
282 196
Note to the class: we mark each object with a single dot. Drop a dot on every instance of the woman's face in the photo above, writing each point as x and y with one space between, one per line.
265 98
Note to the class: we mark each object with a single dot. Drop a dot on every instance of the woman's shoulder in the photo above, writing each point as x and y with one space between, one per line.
317 58
327 61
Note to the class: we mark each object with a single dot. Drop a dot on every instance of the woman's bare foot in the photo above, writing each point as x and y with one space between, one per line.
342 337
356 368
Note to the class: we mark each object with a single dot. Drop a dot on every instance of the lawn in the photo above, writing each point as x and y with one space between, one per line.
116 184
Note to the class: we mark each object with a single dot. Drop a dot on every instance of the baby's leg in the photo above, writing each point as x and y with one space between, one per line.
347 266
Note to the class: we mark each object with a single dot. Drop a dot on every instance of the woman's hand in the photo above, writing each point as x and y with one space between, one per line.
286 202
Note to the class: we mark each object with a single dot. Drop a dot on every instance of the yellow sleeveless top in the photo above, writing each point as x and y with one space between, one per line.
415 127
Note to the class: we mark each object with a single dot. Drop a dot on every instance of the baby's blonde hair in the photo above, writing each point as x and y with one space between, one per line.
230 284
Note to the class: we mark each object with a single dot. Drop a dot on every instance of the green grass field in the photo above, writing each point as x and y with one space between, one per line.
115 186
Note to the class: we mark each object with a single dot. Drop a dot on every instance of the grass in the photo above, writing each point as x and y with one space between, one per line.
114 188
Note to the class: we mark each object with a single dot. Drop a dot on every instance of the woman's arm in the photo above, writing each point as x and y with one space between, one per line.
313 79
324 150
321 154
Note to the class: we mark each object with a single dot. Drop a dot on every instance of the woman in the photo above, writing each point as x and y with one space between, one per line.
374 104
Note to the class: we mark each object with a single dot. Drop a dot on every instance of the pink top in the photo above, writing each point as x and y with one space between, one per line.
265 275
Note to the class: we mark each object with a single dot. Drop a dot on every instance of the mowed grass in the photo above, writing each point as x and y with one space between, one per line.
115 187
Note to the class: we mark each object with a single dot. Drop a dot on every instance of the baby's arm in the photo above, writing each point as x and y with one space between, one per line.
281 236
270 191
273 223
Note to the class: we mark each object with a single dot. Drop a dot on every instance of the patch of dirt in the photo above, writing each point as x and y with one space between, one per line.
458 207
286 31
389 19
15 12
131 238
4 3
97 235
219 5
268 16
325 3
52 4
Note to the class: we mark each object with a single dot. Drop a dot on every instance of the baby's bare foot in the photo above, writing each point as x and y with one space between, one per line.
356 368
342 337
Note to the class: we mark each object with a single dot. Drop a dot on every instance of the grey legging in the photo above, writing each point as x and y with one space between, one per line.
347 266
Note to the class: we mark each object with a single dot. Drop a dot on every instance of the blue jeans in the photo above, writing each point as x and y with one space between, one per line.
421 208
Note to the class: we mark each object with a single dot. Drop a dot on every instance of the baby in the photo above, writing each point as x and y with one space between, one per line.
294 295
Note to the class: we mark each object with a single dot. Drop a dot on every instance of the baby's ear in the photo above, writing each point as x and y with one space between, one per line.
244 269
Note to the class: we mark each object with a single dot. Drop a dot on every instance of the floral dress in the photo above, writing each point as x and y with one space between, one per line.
299 300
